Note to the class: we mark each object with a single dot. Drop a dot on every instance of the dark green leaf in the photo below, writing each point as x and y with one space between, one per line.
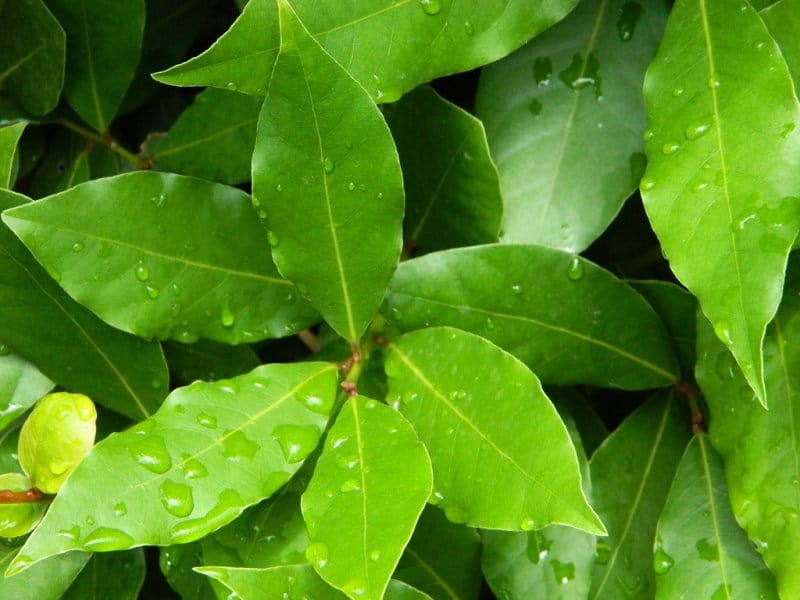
122 247
68 343
565 118
210 451
419 41
477 418
65 163
209 360
452 187
31 55
177 564
325 177
21 384
722 201
103 44
274 583
9 137
631 475
567 319
117 575
212 139
442 559
760 447
357 522
699 545
785 29
47 580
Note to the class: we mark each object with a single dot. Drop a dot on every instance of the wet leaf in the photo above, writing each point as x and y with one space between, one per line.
121 246
565 117
177 563
452 187
784 28
117 575
9 137
210 451
357 522
567 319
699 545
477 423
325 163
712 189
47 580
21 384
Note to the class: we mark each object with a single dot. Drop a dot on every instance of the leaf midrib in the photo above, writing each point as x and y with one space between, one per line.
714 516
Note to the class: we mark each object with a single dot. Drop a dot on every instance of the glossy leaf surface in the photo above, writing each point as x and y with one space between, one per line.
103 45
712 189
699 545
631 476
456 36
785 30
452 187
117 575
325 175
46 580
477 424
212 139
357 522
760 447
21 384
177 564
256 429
554 562
567 319
565 117
31 55
68 343
9 136
121 247
442 559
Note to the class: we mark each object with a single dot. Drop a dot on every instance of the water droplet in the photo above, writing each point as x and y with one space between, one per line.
4 350
328 165
152 292
296 441
351 186
535 107
272 238
375 555
228 506
699 186
316 404
581 74
431 7
176 289
489 324
563 572
469 28
151 453
206 420
142 273
528 524
542 70
356 588
648 135
602 553
231 86
723 331
59 467
456 514
317 554
396 314
629 16
71 534
436 498
517 289
662 562
120 509
78 247
105 539
678 91
237 445
175 309
193 468
647 184
713 82
670 148
696 131
707 551
575 269
227 317
176 498
350 485
787 130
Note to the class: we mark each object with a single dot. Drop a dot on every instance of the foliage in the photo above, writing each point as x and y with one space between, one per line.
399 299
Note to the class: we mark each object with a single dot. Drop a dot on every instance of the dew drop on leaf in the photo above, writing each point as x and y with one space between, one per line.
237 445
142 273
152 454
193 468
78 247
662 562
528 524
456 514
317 554
105 539
670 148
469 28
207 421
350 485
296 441
575 269
696 131
328 165
629 16
431 7
176 498
120 509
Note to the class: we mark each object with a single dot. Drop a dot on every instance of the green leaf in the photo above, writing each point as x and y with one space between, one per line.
68 343
121 246
453 574
677 309
58 433
785 30
177 564
209 360
103 46
565 117
9 137
21 384
724 202
46 580
554 562
212 139
631 475
357 523
326 177
210 451
65 163
471 417
699 546
567 319
452 187
760 447
419 41
31 55
274 583
117 575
